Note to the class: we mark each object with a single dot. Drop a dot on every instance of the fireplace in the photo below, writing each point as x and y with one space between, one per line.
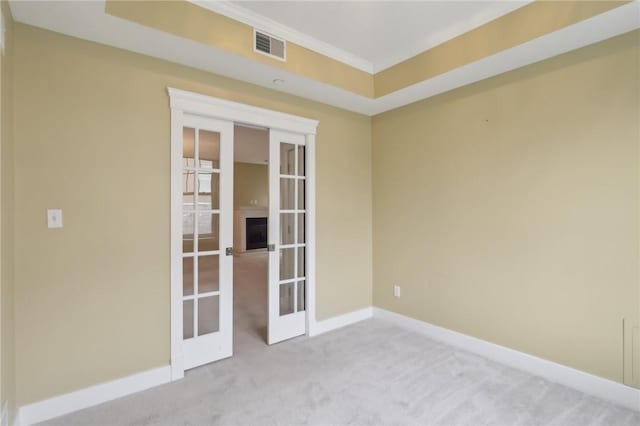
256 233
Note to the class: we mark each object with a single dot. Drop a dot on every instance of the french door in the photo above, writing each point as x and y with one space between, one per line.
202 225
287 225
207 226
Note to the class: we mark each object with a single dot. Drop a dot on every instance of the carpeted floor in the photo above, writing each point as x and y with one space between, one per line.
371 373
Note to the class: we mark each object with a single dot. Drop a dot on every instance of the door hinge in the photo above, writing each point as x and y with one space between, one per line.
272 247
229 251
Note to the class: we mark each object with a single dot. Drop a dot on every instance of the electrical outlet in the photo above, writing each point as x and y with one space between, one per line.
396 291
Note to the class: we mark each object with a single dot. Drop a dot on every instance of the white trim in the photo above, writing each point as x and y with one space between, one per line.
584 382
264 24
183 102
340 321
240 113
4 414
177 350
94 395
310 243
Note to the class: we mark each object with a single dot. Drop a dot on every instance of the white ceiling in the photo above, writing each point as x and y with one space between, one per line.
380 33
88 20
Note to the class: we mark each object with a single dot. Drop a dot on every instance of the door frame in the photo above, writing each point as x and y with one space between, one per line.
183 102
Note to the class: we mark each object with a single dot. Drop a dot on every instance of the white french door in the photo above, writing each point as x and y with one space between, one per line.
207 226
287 236
202 225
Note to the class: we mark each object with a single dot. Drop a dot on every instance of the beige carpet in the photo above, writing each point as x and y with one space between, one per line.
371 373
250 302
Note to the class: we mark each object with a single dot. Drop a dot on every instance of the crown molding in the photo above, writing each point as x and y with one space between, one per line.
400 54
248 17
209 106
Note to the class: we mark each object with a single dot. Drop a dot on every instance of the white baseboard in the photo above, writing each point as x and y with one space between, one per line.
340 321
94 395
4 414
98 394
608 390
593 385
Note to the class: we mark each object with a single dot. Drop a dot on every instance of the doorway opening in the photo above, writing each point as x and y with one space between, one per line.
206 229
250 225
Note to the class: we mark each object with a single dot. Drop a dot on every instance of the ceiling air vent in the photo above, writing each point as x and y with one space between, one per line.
269 45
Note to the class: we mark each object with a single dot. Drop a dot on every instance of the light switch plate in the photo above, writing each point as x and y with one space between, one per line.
54 218
396 291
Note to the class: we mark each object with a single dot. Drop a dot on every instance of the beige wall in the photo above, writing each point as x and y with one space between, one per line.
7 341
508 209
250 182
92 299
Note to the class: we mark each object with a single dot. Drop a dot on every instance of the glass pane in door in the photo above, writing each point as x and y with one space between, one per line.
208 232
201 231
188 190
208 273
287 159
287 193
208 149
287 228
208 315
301 296
301 160
187 319
301 194
208 191
187 276
188 147
287 298
188 224
301 228
287 263
300 270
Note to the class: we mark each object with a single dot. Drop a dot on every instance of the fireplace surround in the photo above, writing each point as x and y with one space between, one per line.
241 215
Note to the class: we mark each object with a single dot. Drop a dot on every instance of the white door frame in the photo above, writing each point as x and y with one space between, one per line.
182 102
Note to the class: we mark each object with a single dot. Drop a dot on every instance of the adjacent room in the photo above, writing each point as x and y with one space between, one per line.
250 236
320 213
